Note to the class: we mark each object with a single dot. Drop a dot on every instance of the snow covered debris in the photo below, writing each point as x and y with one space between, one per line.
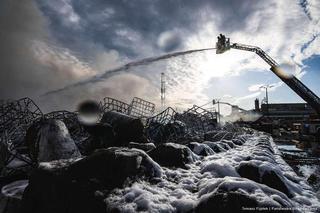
51 141
200 149
79 185
245 172
214 183
143 146
173 155
219 168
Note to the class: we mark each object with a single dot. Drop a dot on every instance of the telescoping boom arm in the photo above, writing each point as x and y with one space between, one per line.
296 85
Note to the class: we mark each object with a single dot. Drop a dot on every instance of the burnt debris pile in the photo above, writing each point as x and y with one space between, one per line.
171 126
21 122
133 159
15 118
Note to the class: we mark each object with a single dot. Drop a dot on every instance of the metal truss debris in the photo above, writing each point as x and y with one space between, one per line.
18 113
15 118
163 117
111 104
155 125
141 108
198 120
172 126
138 108
167 126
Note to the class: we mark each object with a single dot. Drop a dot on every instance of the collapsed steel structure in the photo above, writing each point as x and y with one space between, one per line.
167 126
15 118
171 126
138 108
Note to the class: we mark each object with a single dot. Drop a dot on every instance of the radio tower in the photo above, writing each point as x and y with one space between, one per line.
163 89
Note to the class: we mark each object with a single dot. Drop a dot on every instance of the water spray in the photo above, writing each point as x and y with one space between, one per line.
125 68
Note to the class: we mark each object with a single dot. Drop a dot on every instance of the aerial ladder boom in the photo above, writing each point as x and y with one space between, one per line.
295 84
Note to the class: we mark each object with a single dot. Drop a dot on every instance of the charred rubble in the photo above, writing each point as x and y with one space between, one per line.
136 160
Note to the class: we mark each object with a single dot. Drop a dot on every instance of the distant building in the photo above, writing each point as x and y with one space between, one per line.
288 111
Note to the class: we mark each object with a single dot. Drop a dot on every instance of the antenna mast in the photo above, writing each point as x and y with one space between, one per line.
163 89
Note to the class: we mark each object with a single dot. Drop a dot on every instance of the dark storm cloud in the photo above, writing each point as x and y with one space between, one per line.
16 35
32 61
29 65
135 29
122 24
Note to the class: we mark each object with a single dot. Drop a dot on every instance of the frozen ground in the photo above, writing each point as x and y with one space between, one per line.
307 170
289 148
247 170
181 190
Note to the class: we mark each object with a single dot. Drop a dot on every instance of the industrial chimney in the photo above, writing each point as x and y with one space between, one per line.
256 105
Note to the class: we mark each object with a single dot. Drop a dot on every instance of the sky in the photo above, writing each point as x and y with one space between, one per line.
49 45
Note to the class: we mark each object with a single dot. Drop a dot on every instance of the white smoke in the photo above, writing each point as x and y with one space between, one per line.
32 63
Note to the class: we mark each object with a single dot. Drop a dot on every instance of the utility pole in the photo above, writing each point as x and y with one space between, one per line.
163 90
219 110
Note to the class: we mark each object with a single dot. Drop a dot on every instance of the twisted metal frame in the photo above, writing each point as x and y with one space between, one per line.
111 104
141 108
138 108
171 126
155 125
17 113
15 118
166 126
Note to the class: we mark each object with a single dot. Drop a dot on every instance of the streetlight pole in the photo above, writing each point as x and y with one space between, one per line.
219 110
267 98
217 101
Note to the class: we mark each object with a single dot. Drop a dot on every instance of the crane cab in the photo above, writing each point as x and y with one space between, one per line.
223 44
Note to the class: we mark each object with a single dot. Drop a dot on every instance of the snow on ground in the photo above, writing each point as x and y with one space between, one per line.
307 170
180 190
289 148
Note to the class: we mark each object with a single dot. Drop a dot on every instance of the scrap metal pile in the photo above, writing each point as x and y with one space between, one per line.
71 161
16 117
171 126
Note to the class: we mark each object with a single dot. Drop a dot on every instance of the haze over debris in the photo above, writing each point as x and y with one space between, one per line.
47 45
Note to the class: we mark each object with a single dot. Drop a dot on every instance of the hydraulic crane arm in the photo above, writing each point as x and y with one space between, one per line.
296 85
258 51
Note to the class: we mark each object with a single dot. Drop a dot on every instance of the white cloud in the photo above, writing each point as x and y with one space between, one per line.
281 28
253 95
62 61
274 86
169 40
64 8
255 87
227 96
